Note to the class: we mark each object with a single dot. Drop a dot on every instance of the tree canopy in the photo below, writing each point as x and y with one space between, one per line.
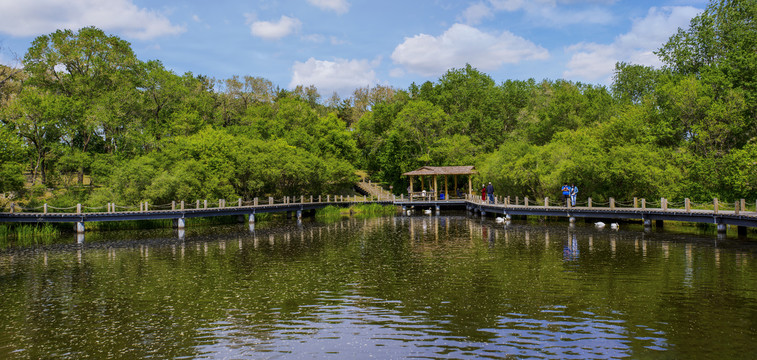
85 118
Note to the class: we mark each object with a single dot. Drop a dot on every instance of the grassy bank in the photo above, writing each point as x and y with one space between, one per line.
367 210
28 234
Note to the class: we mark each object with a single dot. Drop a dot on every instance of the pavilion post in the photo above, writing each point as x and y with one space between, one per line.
455 184
446 188
436 190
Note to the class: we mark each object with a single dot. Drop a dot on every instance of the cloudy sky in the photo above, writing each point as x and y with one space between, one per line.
339 45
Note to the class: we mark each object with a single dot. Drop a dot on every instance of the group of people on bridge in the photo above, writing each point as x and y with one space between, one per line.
569 194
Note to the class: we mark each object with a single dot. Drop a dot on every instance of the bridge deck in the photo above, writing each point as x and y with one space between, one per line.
746 219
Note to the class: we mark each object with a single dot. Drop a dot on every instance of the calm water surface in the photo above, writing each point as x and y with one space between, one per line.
402 287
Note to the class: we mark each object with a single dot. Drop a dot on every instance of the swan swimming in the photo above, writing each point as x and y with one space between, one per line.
615 226
599 224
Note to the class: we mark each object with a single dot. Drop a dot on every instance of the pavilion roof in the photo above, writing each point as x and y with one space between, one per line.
442 170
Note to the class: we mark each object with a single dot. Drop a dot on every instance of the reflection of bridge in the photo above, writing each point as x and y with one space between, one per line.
299 206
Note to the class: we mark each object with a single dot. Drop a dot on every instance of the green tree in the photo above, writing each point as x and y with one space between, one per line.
632 83
12 157
38 117
86 67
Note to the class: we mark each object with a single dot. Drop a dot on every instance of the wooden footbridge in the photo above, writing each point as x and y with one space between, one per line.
738 214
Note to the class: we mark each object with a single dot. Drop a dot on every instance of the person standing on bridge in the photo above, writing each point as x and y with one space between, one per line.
483 192
573 193
490 192
565 193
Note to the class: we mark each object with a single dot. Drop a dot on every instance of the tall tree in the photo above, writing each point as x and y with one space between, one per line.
87 67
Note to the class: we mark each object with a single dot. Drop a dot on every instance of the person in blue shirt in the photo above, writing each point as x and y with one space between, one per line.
565 194
573 193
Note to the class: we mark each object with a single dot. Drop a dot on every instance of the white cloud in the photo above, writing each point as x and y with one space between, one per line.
592 61
460 44
32 18
508 5
554 13
338 6
275 30
475 13
341 75
314 38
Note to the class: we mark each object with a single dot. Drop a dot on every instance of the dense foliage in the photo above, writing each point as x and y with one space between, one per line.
88 120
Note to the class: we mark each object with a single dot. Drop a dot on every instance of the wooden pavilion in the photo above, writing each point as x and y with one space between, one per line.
435 171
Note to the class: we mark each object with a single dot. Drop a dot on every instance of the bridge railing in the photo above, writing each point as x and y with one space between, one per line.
663 204
145 206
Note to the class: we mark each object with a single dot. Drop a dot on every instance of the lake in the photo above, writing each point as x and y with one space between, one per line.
450 286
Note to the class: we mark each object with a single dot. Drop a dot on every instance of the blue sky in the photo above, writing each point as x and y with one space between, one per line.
340 45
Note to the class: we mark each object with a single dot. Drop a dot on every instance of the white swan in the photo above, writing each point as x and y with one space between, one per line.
599 224
427 211
499 219
409 212
615 226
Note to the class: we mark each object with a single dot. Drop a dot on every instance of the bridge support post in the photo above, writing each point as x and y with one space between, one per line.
687 204
181 205
572 220
647 223
80 227
483 213
589 202
438 210
173 205
252 218
299 214
722 228
179 223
